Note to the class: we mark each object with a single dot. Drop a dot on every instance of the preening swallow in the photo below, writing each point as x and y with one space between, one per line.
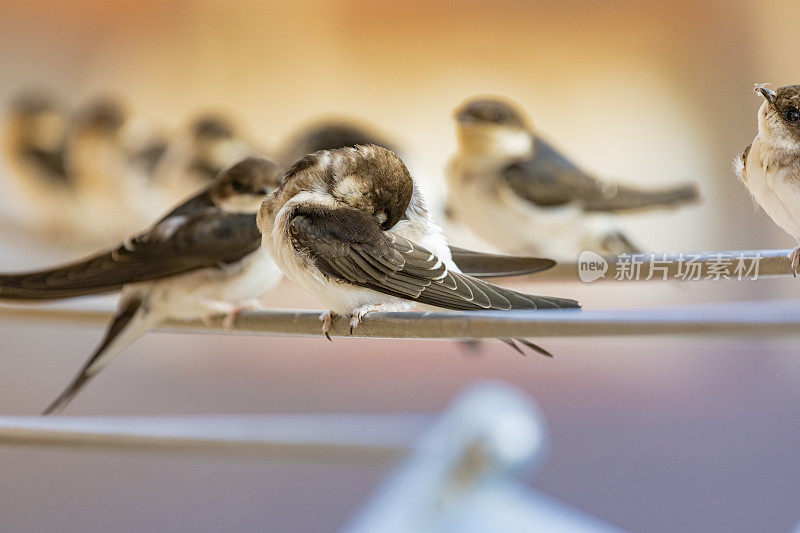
329 135
515 190
350 226
210 143
202 259
770 166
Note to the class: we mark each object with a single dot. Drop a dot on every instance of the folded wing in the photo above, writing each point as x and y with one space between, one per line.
196 235
349 246
550 180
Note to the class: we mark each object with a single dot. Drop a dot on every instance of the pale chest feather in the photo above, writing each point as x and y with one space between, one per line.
480 200
774 186
186 296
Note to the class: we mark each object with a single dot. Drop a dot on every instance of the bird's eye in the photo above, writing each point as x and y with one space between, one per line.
239 187
792 115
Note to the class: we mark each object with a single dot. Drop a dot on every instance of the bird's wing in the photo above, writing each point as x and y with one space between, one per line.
548 179
192 237
483 265
349 246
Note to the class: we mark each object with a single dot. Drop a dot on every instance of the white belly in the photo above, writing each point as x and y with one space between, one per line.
513 225
205 292
777 193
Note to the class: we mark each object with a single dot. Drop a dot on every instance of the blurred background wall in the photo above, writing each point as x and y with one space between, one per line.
649 434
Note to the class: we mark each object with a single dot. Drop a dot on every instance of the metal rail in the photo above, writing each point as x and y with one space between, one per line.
767 318
357 438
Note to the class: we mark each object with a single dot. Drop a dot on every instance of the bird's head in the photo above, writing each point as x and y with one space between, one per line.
242 187
369 178
211 127
101 118
779 116
37 121
215 142
492 126
330 134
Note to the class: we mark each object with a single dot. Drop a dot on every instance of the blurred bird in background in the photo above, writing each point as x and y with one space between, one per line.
111 158
209 143
350 226
516 191
200 260
34 136
329 134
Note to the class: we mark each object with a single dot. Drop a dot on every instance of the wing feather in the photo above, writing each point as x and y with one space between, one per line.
349 246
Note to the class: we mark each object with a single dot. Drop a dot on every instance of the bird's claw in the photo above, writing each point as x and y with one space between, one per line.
795 258
230 317
359 314
355 320
327 322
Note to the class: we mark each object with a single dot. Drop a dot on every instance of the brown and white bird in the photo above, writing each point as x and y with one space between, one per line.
202 259
329 134
516 191
34 133
111 158
350 226
210 143
770 166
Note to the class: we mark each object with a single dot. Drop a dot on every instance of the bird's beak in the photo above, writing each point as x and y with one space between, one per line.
768 94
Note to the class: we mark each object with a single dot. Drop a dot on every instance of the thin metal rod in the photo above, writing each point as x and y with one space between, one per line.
361 438
770 318
684 266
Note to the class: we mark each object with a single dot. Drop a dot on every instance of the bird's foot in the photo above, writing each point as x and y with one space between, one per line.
233 314
361 312
794 257
327 321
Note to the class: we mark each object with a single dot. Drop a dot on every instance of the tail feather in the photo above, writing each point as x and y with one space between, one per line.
130 323
81 278
630 199
483 265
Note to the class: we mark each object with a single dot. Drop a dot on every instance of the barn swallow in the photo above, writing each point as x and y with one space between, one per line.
770 166
210 143
203 258
350 226
35 126
513 189
328 135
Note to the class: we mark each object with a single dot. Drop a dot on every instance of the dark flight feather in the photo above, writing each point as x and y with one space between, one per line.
548 179
195 235
349 246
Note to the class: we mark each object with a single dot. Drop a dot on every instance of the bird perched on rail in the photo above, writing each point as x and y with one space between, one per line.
210 143
513 189
34 133
350 226
201 259
770 166
204 258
